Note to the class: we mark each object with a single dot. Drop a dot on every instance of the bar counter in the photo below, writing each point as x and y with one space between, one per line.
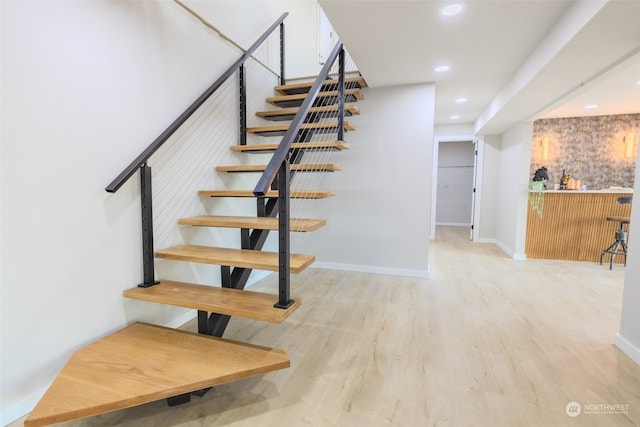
574 225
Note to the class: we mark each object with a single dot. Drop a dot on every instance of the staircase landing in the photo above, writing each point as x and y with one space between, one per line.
143 363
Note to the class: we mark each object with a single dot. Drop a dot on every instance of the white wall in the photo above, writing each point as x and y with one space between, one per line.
628 339
453 130
490 192
380 218
244 21
86 86
504 191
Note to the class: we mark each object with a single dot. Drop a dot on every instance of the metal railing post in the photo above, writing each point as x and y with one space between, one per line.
284 250
282 77
341 95
243 105
146 203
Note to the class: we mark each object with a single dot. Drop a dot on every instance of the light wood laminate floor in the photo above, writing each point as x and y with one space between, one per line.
485 341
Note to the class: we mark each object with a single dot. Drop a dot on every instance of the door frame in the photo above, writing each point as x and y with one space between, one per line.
477 180
326 37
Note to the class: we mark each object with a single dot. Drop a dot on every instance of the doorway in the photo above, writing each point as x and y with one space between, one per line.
327 38
455 184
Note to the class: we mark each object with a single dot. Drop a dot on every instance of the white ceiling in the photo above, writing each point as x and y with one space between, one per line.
514 60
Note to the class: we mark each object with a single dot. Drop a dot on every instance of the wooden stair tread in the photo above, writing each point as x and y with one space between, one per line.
326 111
253 223
243 258
298 167
214 299
279 130
143 363
324 98
296 194
293 88
322 145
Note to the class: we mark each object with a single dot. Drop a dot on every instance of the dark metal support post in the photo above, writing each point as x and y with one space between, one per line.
225 273
203 322
284 250
243 105
245 238
341 95
146 202
282 77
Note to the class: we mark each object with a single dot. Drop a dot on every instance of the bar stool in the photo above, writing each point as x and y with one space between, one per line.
619 247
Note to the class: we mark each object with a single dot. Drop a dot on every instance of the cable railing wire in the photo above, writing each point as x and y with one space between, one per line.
292 134
166 134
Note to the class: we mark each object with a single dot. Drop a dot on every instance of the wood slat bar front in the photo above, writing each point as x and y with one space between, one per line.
574 225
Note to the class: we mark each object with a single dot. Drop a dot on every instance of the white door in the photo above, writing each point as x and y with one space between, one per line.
326 38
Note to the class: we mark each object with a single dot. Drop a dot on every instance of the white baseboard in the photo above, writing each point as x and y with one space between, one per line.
627 348
485 240
22 408
502 247
371 269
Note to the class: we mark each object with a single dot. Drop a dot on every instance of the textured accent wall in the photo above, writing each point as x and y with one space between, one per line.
591 149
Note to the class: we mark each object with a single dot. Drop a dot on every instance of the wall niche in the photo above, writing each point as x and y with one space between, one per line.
600 151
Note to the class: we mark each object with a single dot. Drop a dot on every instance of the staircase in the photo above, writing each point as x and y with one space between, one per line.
142 362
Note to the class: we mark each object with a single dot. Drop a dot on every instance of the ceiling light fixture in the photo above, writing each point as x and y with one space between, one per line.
442 68
591 106
454 117
451 9
462 100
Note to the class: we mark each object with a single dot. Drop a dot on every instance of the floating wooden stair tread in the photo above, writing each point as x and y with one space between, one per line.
324 98
296 194
253 223
294 88
143 363
298 167
263 148
213 299
243 258
328 111
318 127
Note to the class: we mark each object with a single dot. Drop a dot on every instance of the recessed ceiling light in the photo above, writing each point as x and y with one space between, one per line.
451 9
591 106
442 68
638 83
454 117
461 100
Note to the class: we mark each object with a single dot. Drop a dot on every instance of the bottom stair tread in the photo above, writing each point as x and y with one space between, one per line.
143 363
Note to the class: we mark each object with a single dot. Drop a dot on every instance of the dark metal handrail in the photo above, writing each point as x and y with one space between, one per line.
281 154
279 168
164 136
